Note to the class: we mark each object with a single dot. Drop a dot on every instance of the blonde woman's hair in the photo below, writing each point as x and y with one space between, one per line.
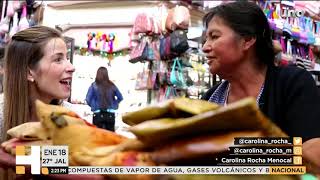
23 52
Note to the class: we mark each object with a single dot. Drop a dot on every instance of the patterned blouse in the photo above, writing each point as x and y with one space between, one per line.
220 95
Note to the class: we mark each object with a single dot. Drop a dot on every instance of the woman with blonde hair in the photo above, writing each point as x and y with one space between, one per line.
36 67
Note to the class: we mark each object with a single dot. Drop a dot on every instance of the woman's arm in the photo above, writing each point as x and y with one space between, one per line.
118 95
6 160
89 95
302 115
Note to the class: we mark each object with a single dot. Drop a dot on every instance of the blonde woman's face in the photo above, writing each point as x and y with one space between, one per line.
53 74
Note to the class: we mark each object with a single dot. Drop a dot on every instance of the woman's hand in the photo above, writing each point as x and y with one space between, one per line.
6 160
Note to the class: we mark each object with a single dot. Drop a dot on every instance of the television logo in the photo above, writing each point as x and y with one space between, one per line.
33 159
293 13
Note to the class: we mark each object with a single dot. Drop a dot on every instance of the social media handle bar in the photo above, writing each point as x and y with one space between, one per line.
297 141
261 150
258 160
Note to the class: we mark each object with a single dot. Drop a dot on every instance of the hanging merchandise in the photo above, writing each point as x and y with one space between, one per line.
138 52
178 18
309 29
37 15
103 54
317 33
295 29
101 42
273 14
162 73
146 79
165 45
179 42
303 31
311 58
16 5
89 41
14 29
163 11
143 24
170 92
23 23
93 43
310 8
286 55
176 74
4 25
10 9
111 39
153 49
147 49
287 27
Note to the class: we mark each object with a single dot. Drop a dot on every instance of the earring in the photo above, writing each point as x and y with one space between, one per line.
32 80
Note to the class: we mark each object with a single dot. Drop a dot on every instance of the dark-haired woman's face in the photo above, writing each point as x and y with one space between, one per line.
222 47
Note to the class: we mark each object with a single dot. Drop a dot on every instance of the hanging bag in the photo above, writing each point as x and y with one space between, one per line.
171 92
145 79
163 11
178 18
268 10
317 34
153 49
286 56
295 29
143 24
287 26
310 34
10 9
23 23
165 45
179 42
4 25
176 75
14 29
138 52
303 31
278 22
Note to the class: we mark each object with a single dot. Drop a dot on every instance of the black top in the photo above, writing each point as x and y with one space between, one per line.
291 99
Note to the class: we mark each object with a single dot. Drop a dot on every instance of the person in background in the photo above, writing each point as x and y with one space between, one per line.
240 50
36 67
103 97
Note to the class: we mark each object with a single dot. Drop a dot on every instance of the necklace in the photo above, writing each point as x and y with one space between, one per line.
226 95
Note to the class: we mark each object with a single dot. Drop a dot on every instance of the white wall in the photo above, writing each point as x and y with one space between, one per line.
105 12
93 14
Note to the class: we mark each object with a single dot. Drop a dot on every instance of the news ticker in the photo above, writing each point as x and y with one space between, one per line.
272 170
283 156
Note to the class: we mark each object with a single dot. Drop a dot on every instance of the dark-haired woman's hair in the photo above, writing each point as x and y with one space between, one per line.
104 86
247 20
